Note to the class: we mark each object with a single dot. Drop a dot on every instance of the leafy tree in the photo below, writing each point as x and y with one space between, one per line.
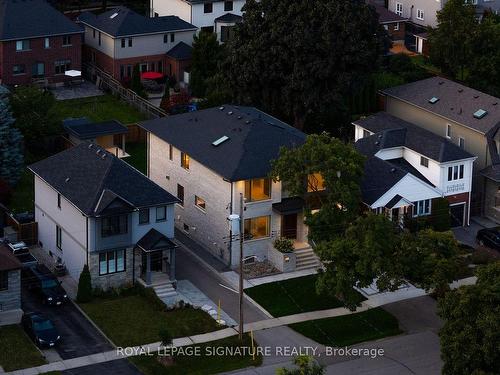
207 54
11 146
295 71
440 219
450 44
340 167
84 293
471 332
32 109
484 69
305 366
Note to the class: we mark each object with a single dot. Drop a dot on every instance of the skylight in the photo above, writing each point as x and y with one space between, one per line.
220 141
113 15
480 113
434 100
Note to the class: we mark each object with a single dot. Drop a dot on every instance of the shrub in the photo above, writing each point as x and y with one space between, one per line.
84 286
440 218
283 245
166 337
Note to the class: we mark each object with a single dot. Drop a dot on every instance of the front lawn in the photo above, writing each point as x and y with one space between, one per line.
17 351
292 296
137 158
98 109
136 320
350 329
204 363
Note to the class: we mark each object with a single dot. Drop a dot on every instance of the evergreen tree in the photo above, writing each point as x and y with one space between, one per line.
207 53
136 84
11 145
84 293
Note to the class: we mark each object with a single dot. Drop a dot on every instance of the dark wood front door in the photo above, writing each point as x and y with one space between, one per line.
289 226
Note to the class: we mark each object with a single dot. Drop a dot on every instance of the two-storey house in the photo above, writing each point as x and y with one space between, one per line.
466 117
118 39
208 158
10 287
93 208
37 43
217 16
408 167
394 24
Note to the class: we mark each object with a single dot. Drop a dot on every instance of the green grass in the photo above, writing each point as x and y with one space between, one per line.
23 193
350 329
424 63
292 296
203 364
17 351
97 109
137 158
135 320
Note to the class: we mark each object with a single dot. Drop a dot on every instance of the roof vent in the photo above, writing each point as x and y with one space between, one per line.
380 135
393 170
434 100
495 103
441 83
91 145
247 122
480 113
220 141
67 179
476 96
103 156
98 151
113 15
221 108
230 113
240 117
460 90
377 142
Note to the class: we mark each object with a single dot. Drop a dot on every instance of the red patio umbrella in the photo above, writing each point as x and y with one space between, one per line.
151 75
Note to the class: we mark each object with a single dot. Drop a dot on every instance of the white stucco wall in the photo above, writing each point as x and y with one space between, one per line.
430 8
179 8
107 43
148 45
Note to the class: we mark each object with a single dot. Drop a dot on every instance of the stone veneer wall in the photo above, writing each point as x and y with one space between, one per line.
118 279
11 298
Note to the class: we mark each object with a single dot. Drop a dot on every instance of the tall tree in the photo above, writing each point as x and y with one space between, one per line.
207 54
470 337
450 43
11 146
328 172
299 58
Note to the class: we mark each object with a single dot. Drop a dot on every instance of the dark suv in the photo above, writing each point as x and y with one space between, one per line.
41 281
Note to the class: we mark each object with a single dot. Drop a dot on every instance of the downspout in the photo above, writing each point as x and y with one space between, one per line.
231 229
87 238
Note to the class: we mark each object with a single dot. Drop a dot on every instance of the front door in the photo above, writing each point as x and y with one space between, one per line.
156 259
289 226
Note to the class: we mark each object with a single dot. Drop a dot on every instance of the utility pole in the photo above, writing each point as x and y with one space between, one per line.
242 229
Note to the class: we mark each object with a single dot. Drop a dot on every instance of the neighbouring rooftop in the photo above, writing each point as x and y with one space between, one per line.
84 129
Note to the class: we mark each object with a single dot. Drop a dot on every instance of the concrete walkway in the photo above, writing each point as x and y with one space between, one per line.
233 278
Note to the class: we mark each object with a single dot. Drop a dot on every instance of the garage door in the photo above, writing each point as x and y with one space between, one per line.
457 213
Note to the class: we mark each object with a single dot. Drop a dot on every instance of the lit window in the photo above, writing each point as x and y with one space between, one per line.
200 202
315 182
184 160
22 45
258 189
257 227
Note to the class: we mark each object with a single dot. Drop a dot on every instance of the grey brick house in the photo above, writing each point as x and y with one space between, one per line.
10 287
93 208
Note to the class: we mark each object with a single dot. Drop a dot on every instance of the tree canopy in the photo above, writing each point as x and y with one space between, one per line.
303 68
471 332
11 145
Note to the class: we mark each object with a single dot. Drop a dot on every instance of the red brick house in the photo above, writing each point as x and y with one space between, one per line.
37 43
393 23
119 39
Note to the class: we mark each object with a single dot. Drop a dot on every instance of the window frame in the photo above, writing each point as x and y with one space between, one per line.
228 8
115 217
142 211
46 43
399 9
202 206
208 8
185 159
65 65
420 14
249 226
249 187
180 189
170 152
130 43
23 66
66 40
124 42
448 131
426 206
461 142
424 162
114 259
164 209
58 200
58 237
24 43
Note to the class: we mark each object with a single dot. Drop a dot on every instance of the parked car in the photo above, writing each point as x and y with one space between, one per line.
489 237
41 329
41 281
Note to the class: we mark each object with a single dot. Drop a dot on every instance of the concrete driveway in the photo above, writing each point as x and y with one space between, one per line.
78 336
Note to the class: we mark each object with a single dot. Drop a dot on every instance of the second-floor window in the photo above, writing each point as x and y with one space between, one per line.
59 201
130 42
456 172
144 216
258 189
315 182
461 142
23 45
171 152
420 14
184 160
99 38
180 194
161 213
207 8
399 9
58 237
114 225
200 202
228 6
448 131
46 43
66 40
124 42
424 162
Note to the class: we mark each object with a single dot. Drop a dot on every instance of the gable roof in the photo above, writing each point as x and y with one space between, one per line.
456 102
181 51
254 139
385 15
8 261
83 129
121 21
95 180
393 132
229 18
23 19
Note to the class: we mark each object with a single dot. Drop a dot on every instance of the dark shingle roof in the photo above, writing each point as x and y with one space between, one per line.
84 178
154 240
456 102
393 132
385 15
229 18
83 129
21 19
8 261
122 21
255 139
181 51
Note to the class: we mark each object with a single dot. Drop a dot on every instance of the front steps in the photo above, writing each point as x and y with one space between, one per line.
306 259
164 290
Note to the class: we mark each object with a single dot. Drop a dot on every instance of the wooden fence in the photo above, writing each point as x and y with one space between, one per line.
106 82
27 232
